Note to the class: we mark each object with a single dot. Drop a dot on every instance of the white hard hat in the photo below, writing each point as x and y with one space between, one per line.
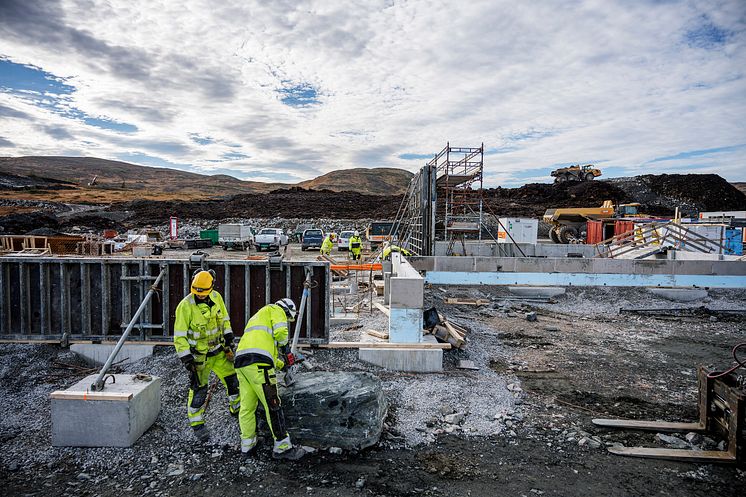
357 233
289 307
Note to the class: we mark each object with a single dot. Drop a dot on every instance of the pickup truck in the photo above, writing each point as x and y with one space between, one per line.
312 237
270 238
343 241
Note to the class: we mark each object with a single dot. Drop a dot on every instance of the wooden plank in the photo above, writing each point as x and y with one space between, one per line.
455 301
452 331
70 395
382 308
378 334
378 345
706 456
379 286
648 425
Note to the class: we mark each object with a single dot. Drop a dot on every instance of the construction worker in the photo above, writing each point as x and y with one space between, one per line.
204 339
257 361
355 246
328 244
388 247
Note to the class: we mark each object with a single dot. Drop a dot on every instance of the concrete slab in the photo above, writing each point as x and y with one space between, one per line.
342 319
680 294
117 417
536 291
413 360
405 325
97 353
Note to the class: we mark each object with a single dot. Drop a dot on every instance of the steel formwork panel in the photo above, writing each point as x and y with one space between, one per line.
43 298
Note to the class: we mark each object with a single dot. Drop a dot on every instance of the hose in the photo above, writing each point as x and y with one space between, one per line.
739 363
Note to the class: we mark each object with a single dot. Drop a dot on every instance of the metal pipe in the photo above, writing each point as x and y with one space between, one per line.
98 384
299 318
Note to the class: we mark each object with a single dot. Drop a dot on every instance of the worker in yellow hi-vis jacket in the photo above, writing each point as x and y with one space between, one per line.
204 339
257 362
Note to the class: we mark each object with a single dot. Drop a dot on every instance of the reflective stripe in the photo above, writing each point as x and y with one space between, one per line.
260 352
184 353
180 333
216 348
259 327
195 334
282 445
283 324
282 343
194 419
192 342
247 443
191 411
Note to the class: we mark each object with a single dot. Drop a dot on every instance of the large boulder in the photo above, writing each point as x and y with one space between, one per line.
335 409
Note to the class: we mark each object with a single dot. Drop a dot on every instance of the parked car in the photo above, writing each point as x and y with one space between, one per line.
343 241
312 237
270 238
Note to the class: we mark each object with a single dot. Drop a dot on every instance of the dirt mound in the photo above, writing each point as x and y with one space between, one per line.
534 199
20 224
660 194
296 203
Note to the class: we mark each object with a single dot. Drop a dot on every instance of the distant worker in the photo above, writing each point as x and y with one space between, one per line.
328 244
204 339
355 246
257 362
388 247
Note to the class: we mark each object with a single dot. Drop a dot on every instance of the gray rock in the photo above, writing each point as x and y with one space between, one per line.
722 445
175 470
454 419
335 450
531 316
671 440
552 328
84 476
196 477
360 483
694 438
335 409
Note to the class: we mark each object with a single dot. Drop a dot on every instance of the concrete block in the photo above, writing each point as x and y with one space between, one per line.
679 294
342 319
414 360
407 292
386 288
97 353
536 291
82 422
405 325
142 251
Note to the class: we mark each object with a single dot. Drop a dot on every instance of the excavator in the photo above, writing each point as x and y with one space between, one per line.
576 173
568 225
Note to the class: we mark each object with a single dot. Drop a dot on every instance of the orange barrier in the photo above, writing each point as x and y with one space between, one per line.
356 267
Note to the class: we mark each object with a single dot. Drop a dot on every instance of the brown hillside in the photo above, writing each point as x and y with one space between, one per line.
377 181
740 186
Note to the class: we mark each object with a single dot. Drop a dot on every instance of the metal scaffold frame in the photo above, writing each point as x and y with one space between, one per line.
446 191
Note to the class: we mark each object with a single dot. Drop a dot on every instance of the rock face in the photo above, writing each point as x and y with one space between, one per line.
335 409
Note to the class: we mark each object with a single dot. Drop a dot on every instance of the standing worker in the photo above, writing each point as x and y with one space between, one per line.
356 246
257 359
328 244
204 339
388 248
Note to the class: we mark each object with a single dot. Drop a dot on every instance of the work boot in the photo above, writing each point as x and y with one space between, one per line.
249 454
202 434
292 454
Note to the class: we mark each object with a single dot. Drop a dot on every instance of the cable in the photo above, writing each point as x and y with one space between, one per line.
739 363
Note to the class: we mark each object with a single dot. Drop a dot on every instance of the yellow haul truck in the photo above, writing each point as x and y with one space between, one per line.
568 225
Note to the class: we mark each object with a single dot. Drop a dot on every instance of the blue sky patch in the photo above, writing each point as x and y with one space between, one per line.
409 156
706 35
298 94
48 92
234 156
699 153
200 139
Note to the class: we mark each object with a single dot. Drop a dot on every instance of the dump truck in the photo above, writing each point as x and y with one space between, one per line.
576 173
568 225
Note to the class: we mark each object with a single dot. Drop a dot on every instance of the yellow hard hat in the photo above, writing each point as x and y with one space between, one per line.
202 283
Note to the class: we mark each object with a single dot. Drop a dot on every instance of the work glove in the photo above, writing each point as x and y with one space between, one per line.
188 362
228 338
279 364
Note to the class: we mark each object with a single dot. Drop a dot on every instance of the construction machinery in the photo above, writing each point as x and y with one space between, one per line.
576 173
568 225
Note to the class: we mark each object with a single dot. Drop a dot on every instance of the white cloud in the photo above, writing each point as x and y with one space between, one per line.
556 82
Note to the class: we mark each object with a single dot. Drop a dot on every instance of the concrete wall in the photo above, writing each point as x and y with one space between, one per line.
493 249
406 290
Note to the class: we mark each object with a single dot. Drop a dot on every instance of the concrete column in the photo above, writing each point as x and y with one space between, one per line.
407 289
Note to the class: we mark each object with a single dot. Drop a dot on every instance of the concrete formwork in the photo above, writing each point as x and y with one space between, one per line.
94 298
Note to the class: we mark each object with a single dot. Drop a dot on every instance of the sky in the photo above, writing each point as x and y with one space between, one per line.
288 90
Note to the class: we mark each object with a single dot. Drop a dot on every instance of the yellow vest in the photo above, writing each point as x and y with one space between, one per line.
199 328
264 333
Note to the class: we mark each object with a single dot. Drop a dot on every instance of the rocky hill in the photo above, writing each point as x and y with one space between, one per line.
67 179
378 181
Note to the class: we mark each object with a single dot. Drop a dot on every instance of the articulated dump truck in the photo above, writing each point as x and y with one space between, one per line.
569 225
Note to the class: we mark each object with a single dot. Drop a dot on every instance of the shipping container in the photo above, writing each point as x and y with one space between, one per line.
594 232
211 235
521 230
621 226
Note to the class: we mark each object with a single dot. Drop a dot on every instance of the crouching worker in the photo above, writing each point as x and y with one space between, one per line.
257 361
202 337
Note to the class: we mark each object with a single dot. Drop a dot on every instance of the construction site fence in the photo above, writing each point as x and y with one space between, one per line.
50 298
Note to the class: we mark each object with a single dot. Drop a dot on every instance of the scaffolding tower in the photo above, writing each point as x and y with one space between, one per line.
443 201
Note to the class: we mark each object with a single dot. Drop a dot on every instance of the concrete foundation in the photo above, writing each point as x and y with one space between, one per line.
680 294
413 360
116 417
537 291
96 353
